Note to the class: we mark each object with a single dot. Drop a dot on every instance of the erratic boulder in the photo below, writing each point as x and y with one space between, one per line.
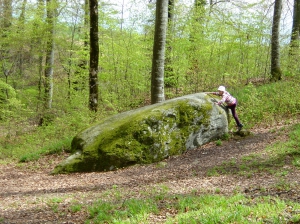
146 135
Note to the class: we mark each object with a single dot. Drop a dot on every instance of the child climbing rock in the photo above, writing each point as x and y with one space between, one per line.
230 102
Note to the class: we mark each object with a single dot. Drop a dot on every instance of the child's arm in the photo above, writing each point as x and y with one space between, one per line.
214 93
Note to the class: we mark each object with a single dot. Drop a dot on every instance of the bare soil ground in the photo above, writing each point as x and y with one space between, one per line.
30 194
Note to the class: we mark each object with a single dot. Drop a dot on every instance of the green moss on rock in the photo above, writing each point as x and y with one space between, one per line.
145 135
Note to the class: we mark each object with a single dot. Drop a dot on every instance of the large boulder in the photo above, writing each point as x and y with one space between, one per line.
146 135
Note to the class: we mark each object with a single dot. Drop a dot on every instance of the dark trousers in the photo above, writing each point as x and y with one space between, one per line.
234 114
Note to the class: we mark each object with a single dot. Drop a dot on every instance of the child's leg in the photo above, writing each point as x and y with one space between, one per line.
234 114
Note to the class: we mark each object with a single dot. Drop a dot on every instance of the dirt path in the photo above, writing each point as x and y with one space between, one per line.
29 194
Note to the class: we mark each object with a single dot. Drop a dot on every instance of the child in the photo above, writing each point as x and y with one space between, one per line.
231 103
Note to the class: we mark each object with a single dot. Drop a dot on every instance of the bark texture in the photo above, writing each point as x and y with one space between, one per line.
157 74
94 56
276 72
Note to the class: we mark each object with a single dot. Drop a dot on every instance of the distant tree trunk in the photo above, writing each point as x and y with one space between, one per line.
295 36
94 56
48 84
5 23
276 72
22 24
122 16
37 41
6 13
23 10
158 60
170 79
86 24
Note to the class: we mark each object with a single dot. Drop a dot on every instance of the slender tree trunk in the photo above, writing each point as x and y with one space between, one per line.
37 41
48 84
276 72
7 13
170 79
157 74
94 56
22 24
122 16
295 36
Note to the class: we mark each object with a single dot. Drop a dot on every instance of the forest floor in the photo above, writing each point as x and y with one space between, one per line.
30 194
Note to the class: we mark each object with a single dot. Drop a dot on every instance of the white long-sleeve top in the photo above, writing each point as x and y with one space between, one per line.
226 98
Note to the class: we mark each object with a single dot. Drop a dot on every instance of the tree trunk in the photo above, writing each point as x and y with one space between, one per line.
158 60
170 79
48 84
94 56
5 24
22 24
7 13
276 72
37 41
295 36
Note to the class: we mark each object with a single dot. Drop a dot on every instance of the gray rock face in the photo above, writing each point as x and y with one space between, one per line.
146 135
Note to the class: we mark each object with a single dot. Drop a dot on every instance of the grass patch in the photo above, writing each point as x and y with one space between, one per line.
260 104
76 207
55 148
235 209
130 211
193 208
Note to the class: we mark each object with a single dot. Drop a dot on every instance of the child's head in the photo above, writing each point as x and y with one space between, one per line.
221 90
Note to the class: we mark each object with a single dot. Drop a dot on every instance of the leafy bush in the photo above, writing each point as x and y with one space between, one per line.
269 103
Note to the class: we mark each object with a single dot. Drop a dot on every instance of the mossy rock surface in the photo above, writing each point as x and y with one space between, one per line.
146 135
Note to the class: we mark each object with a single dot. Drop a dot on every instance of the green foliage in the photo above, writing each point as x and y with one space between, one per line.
218 142
10 106
55 137
6 92
29 96
63 145
269 103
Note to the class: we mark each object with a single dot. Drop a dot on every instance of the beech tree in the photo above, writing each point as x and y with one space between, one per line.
6 13
295 35
170 78
276 72
6 18
94 56
48 84
158 60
